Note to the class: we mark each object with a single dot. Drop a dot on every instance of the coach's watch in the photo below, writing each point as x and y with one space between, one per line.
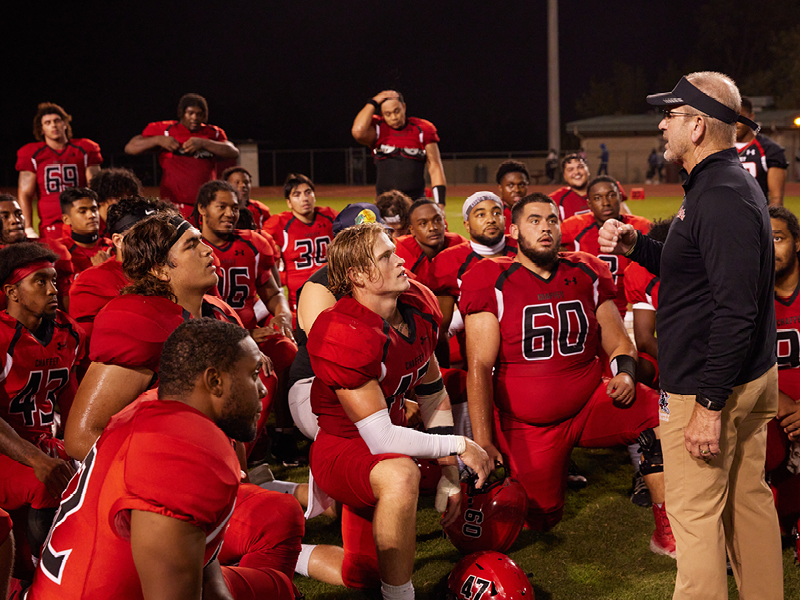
707 403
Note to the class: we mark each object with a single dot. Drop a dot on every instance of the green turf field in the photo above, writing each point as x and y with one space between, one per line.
600 549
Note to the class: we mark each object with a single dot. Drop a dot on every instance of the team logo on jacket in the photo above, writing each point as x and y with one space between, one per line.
681 213
663 406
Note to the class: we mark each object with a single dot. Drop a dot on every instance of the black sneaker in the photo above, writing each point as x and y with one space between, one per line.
285 450
640 495
575 481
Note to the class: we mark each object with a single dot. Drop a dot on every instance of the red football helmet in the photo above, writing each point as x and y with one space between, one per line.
489 575
430 473
491 518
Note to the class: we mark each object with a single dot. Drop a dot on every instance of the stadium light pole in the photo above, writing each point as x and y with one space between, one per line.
553 95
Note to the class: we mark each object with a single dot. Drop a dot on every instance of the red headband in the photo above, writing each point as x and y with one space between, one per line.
21 273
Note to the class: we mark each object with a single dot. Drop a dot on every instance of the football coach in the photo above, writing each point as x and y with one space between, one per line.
716 337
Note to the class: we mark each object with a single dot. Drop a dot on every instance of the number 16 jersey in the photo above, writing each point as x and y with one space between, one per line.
547 366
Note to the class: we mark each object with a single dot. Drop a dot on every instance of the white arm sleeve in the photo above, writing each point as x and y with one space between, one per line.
381 437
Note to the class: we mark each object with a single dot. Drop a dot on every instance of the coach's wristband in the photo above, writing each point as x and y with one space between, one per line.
708 403
622 363
375 104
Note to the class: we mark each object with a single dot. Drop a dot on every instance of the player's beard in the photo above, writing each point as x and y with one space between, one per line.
487 241
238 421
541 258
786 269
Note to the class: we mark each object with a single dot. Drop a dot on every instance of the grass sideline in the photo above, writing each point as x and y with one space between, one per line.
598 552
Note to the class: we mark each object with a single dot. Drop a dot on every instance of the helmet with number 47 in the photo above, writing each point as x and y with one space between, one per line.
491 517
489 575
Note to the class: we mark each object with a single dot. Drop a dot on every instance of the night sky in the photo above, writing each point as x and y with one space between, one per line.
294 74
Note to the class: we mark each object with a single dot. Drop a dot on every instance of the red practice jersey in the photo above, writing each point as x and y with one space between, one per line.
57 171
350 345
304 247
184 174
36 372
569 202
549 332
260 213
451 264
156 456
244 264
787 315
82 257
417 262
131 330
581 233
96 287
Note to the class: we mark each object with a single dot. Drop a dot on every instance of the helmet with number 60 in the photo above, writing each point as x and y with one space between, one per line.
489 575
491 518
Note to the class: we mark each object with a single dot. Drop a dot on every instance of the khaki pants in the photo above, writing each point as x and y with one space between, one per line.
724 502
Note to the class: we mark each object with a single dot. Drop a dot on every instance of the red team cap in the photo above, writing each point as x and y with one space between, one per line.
687 94
476 199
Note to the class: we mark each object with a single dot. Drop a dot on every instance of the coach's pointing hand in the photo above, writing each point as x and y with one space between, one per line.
616 238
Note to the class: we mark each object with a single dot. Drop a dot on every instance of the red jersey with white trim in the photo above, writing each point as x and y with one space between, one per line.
569 202
304 246
450 265
82 257
243 264
260 213
184 174
417 262
56 171
641 287
409 141
350 345
37 371
549 332
758 156
131 330
157 456
787 316
96 287
581 233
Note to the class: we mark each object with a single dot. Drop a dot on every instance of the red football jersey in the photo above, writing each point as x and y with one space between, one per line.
581 233
95 288
38 371
758 156
260 213
304 247
244 264
787 315
641 287
57 171
450 265
131 330
82 257
157 456
350 345
549 332
184 174
409 141
569 202
417 262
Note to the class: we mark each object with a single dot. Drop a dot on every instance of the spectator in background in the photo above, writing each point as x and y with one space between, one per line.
551 166
394 206
189 151
403 147
47 167
764 159
652 166
603 168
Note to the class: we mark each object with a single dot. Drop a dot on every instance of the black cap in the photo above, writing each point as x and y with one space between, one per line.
355 214
686 93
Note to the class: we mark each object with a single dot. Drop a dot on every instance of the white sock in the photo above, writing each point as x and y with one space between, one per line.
397 592
636 456
284 487
303 558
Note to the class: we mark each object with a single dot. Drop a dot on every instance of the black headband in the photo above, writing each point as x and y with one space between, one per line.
131 219
181 227
686 93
